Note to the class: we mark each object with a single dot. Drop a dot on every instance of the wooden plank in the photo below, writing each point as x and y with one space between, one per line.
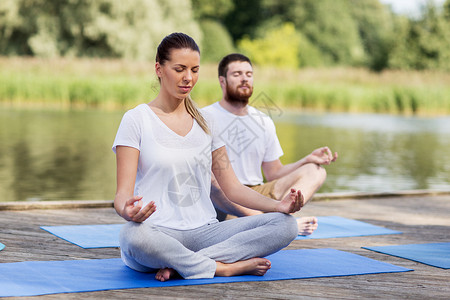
422 219
376 195
55 204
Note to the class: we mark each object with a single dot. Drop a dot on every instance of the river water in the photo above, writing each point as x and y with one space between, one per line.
61 155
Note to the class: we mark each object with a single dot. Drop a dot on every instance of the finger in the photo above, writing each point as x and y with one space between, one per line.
292 197
135 210
301 199
147 207
327 151
296 202
140 218
133 200
311 225
150 211
335 156
330 155
145 212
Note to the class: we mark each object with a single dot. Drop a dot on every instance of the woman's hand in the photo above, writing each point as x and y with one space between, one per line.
293 202
133 210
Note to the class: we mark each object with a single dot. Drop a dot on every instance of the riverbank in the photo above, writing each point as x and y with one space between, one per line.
119 84
421 218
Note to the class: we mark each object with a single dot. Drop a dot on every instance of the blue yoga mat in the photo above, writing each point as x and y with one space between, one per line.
102 236
433 254
51 277
2 246
88 236
338 227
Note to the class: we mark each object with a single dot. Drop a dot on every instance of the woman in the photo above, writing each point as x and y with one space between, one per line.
165 154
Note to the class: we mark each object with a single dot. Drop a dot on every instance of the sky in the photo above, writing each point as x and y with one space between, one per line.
409 7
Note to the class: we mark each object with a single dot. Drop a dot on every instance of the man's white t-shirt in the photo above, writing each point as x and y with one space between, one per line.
174 171
250 140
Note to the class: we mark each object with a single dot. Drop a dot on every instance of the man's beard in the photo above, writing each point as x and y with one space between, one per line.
238 96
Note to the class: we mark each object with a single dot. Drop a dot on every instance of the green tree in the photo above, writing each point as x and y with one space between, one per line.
9 20
375 27
327 24
244 19
423 43
278 47
446 10
217 41
207 9
130 29
308 54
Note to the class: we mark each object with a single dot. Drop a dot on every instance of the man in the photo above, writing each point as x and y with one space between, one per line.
252 145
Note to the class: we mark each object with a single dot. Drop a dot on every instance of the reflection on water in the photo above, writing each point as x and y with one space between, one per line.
377 153
54 155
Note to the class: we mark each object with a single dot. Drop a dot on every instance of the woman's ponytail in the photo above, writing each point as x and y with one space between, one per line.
192 109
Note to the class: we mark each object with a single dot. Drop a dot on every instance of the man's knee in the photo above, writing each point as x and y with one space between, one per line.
321 174
313 171
309 171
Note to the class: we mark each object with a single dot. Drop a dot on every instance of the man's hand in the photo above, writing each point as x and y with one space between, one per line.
293 202
133 210
322 156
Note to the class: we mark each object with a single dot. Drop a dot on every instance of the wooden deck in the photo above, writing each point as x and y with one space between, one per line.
422 217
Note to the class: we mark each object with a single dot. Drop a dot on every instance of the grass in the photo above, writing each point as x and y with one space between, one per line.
118 84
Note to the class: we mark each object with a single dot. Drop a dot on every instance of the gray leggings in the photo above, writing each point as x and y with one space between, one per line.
193 253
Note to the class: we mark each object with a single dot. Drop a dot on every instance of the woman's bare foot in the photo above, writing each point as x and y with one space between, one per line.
306 225
254 266
165 274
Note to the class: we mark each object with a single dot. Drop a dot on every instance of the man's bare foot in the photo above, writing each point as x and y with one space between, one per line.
253 266
165 274
306 225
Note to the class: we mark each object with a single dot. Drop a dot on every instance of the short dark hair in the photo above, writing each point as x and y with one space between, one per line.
176 40
223 65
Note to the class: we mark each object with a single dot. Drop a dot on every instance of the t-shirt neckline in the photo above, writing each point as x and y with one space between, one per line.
162 124
220 107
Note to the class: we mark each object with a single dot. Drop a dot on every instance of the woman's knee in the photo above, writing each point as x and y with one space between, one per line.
292 227
134 238
288 228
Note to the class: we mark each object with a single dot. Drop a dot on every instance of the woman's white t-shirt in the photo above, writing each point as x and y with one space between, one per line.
174 171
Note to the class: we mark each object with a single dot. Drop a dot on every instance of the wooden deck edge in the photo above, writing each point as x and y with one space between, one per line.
64 204
367 195
67 204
